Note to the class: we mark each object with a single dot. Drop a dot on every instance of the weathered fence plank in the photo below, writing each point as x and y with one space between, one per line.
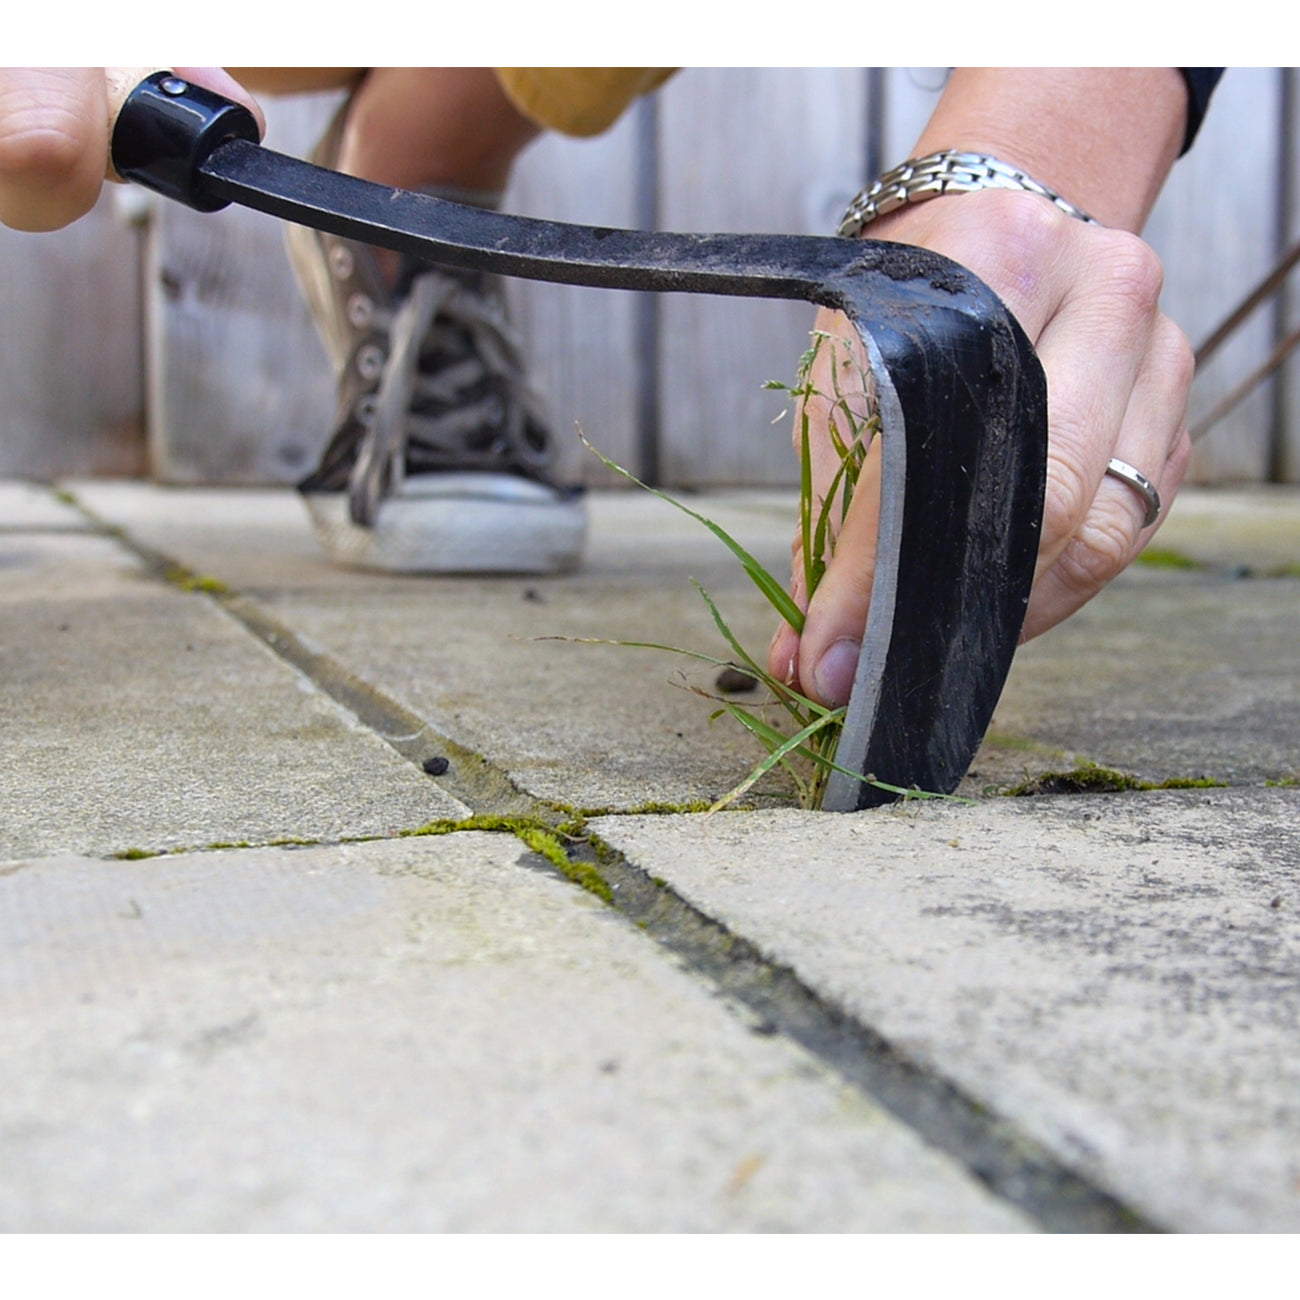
70 365
1287 451
582 343
760 149
239 387
1216 230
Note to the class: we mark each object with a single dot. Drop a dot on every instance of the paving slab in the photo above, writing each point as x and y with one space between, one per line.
1168 674
430 1034
30 505
141 717
1117 976
584 725
1172 672
1255 527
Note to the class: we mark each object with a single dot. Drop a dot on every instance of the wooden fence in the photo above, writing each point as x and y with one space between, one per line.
150 339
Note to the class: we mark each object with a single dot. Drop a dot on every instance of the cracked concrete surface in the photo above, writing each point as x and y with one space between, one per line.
1088 1003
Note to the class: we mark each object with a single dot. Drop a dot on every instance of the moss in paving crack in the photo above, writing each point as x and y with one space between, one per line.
187 580
1091 778
539 837
135 855
652 809
1158 557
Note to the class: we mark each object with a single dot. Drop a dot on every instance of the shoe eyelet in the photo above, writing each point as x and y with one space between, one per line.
364 408
369 361
341 262
360 309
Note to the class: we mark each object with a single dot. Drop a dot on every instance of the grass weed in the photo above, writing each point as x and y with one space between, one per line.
799 735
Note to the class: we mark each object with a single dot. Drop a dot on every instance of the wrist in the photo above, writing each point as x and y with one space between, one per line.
1102 138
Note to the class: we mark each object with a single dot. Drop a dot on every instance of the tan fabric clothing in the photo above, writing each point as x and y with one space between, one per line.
572 101
578 101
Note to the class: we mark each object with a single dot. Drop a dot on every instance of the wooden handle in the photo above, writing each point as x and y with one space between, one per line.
120 83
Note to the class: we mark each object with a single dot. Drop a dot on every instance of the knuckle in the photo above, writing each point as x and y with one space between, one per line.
53 150
42 149
1176 355
1068 496
1098 551
1026 232
1133 271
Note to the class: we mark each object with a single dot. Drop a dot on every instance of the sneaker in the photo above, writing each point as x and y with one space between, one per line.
441 458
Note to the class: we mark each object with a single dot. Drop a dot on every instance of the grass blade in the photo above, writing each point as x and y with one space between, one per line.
775 593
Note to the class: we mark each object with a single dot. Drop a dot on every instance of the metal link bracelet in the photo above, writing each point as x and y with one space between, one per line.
952 172
949 172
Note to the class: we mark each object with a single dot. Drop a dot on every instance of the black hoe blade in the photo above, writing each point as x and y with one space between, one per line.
963 403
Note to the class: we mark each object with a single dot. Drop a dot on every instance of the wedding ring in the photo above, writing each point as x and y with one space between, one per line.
1140 484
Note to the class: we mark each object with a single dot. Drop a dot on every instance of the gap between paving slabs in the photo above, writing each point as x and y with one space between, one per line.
1008 1162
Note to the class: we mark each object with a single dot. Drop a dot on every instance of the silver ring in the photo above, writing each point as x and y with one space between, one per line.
1140 484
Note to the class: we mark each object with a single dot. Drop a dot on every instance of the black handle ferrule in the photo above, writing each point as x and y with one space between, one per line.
167 129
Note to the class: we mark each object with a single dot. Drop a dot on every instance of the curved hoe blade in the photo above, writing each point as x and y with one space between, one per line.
963 479
963 404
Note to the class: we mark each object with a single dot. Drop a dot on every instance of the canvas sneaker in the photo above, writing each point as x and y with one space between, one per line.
441 459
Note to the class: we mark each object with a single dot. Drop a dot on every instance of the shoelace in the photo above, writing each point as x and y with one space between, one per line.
495 351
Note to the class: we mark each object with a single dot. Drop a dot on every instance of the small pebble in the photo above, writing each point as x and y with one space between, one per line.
436 766
733 680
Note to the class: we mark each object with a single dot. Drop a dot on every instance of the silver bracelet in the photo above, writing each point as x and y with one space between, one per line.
949 172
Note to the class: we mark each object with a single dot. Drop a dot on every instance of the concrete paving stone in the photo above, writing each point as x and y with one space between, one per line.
1163 675
590 726
137 716
408 1035
1117 975
1166 674
1256 527
31 505
1172 673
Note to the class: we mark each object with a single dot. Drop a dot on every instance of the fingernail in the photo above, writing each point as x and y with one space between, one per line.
836 669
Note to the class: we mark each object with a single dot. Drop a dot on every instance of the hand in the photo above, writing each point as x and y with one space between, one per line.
54 138
1118 373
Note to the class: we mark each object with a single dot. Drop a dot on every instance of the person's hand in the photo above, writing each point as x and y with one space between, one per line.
1118 373
54 135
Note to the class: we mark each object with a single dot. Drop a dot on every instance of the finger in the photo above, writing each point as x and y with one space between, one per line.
837 613
220 81
1105 343
783 652
53 142
1112 530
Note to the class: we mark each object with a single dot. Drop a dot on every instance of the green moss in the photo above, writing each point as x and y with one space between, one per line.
134 855
1291 570
1156 557
1091 778
187 580
539 837
652 809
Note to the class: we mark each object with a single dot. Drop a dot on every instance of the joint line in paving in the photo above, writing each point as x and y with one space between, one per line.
1013 1166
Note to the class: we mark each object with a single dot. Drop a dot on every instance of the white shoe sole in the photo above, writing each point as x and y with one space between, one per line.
457 523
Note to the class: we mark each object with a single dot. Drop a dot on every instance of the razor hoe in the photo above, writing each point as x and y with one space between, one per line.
962 401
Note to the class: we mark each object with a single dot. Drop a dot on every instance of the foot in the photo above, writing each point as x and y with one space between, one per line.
441 457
